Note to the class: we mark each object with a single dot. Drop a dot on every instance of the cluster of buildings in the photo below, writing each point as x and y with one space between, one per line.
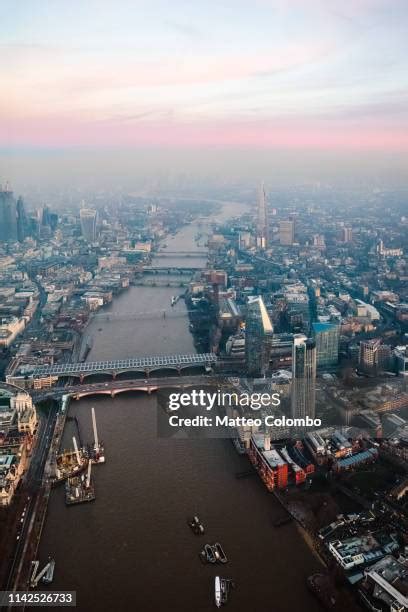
366 546
61 268
279 466
18 423
315 306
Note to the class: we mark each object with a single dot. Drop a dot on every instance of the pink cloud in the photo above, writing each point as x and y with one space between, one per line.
276 134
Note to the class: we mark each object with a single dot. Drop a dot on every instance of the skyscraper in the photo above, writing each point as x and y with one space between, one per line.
258 334
346 234
8 215
327 337
88 217
22 223
263 226
374 356
45 215
303 377
287 232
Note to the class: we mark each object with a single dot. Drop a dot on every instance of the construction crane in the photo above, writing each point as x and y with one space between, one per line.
78 456
88 475
95 431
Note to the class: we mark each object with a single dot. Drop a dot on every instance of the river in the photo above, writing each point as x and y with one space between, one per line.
131 549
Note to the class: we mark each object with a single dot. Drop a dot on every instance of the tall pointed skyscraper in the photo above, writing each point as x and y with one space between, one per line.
263 228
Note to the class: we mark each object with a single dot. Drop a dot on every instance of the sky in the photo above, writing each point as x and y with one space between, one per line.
262 76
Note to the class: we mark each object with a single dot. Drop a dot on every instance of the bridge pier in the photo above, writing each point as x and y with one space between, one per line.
81 378
114 374
147 372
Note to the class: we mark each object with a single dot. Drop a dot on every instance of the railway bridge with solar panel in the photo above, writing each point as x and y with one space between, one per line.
145 365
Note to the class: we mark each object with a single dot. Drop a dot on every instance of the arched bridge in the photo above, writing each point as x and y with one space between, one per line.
119 366
115 387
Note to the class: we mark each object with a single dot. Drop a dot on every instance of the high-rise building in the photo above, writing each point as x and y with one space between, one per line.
258 334
401 360
297 307
263 225
326 336
22 221
374 356
88 217
346 234
286 232
8 215
45 215
303 377
319 241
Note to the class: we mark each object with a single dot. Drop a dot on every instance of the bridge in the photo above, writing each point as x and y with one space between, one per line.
166 252
179 270
119 366
161 282
164 313
115 387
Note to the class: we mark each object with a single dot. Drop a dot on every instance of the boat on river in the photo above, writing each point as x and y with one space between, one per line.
196 525
217 588
221 590
210 554
69 464
219 553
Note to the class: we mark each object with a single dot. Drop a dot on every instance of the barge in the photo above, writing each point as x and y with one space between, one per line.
69 464
79 489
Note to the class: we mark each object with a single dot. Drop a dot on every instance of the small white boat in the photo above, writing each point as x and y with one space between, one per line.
218 592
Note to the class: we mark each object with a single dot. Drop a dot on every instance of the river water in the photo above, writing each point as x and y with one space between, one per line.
131 549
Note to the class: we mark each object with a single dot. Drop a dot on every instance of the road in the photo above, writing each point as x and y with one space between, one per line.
34 483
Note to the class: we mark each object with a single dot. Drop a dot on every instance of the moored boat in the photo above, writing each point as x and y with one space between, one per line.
210 554
196 525
217 594
219 553
67 466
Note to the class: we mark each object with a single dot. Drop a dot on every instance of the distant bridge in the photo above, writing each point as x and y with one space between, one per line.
115 387
161 282
179 270
165 252
119 366
171 313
